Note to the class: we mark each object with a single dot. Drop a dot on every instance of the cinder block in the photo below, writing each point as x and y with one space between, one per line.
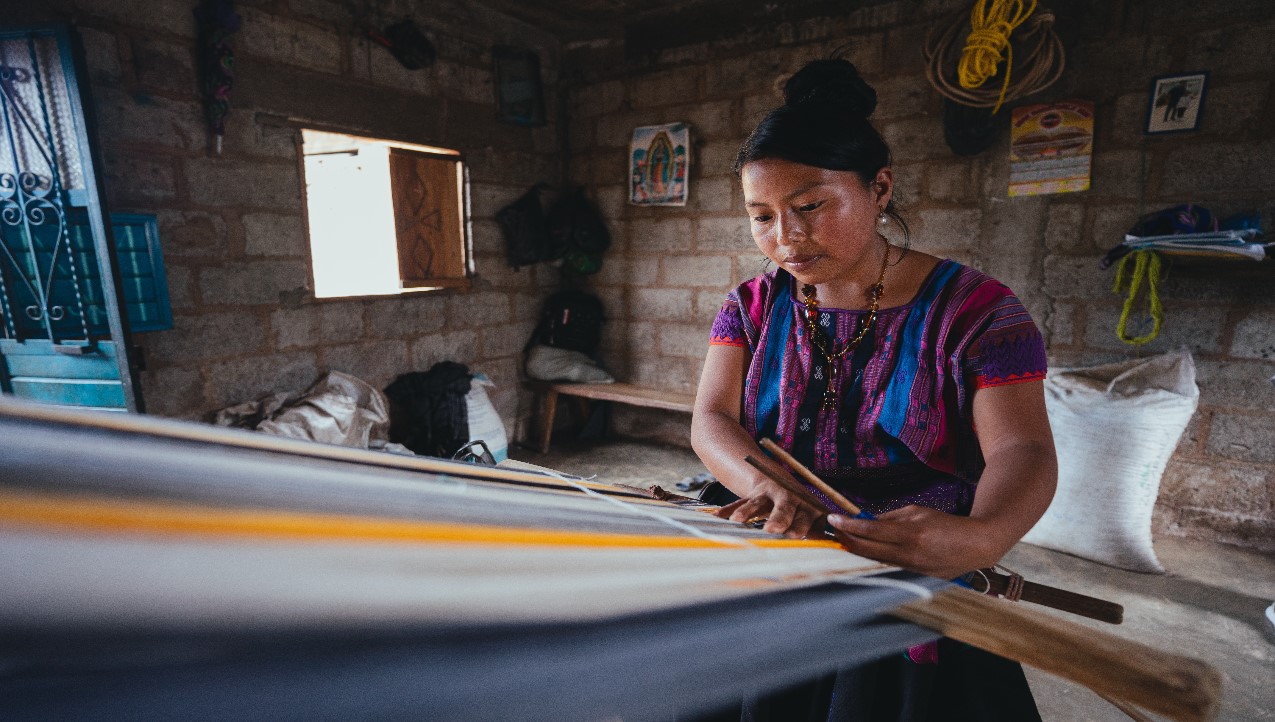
902 95
1243 437
681 270
407 316
288 41
1235 167
1230 384
713 119
1064 228
655 236
1254 335
223 182
729 234
483 308
181 286
254 283
1076 277
232 382
102 54
317 324
915 138
654 304
1250 532
457 80
949 229
597 99
665 88
208 335
134 181
274 234
376 362
458 346
684 339
505 341
715 195
174 391
164 66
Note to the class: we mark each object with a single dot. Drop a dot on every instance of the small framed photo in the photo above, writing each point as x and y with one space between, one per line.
1176 102
519 95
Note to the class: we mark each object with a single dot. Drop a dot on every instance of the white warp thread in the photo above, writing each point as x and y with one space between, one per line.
682 526
920 591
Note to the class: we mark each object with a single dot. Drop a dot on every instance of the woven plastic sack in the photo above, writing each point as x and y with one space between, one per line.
484 423
1115 427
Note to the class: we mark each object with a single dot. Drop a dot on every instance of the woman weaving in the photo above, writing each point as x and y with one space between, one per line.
910 384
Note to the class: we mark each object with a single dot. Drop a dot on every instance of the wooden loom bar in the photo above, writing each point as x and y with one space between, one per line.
1177 687
1086 606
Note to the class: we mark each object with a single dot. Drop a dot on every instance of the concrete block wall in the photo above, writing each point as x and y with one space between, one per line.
232 225
664 279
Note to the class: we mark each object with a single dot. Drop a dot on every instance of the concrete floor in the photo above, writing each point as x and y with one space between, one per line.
1210 605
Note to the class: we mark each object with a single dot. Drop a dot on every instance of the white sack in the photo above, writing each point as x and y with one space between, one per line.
547 363
484 422
1115 427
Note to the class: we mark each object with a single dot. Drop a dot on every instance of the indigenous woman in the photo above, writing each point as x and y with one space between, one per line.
909 383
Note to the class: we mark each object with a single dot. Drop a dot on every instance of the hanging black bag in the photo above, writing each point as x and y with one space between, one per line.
526 230
578 232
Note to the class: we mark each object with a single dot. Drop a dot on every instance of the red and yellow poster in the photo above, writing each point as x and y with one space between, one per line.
1051 148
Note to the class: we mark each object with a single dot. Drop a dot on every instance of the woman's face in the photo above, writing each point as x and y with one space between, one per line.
820 225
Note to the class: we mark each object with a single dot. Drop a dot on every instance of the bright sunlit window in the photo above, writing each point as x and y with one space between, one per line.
385 218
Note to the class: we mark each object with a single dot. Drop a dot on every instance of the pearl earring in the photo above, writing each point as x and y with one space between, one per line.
883 218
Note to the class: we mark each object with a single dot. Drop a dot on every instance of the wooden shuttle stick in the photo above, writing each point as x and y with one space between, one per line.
1180 688
809 477
786 482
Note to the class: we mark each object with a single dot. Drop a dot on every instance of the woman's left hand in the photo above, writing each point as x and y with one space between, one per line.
922 540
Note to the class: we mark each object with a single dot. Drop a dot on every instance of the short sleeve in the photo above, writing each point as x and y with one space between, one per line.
1009 348
728 327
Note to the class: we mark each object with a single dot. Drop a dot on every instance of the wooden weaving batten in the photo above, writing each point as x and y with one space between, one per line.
998 584
1177 687
809 477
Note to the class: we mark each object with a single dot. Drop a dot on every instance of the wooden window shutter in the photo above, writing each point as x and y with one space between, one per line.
428 219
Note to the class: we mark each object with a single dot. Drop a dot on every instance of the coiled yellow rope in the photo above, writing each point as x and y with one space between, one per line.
1040 65
990 28
1146 266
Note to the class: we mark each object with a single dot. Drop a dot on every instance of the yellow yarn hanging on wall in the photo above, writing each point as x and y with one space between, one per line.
991 25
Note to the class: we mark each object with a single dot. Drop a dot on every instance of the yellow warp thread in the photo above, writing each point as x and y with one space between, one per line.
84 514
1146 266
990 28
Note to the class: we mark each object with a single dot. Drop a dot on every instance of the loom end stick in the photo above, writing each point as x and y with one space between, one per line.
1178 687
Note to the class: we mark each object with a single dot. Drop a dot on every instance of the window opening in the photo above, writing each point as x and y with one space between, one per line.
385 217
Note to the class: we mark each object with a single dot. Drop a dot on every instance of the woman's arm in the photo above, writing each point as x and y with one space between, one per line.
1014 491
721 442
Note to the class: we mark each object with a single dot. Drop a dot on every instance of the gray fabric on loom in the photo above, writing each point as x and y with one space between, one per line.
643 667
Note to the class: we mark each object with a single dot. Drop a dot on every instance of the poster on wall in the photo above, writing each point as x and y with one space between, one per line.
658 160
1051 148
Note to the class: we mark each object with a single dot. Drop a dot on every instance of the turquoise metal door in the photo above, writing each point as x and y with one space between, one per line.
64 339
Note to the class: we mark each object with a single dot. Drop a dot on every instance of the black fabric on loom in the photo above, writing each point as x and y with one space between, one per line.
967 685
428 410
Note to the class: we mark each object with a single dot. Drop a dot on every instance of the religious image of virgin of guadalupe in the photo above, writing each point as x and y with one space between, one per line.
909 383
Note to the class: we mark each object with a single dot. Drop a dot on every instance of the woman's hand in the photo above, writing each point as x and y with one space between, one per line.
786 513
923 540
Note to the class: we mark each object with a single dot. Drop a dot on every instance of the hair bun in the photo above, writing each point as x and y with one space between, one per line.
831 84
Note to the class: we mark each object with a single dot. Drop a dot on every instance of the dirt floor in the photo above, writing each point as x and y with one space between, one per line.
1209 605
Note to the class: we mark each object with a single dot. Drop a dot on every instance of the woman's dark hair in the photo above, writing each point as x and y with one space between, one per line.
823 123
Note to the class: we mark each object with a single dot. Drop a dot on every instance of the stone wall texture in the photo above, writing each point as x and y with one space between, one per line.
232 226
670 267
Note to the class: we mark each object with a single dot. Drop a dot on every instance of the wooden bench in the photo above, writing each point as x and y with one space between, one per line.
619 393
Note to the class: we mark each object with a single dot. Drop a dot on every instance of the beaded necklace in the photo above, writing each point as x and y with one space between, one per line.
810 316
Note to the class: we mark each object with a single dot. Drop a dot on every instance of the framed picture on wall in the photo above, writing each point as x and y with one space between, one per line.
519 94
1176 102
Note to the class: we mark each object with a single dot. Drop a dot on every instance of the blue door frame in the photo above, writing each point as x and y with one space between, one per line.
54 346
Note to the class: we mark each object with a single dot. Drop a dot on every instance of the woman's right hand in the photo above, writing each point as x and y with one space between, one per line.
785 512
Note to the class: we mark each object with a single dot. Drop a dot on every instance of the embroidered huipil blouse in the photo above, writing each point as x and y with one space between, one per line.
902 431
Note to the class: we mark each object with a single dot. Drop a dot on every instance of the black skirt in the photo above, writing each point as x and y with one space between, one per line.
966 684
